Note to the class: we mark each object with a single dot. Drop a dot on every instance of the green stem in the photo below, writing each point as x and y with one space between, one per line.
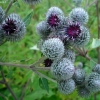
24 66
98 22
9 6
49 4
8 87
24 89
4 98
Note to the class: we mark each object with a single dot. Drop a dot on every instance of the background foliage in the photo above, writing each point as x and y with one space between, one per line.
20 52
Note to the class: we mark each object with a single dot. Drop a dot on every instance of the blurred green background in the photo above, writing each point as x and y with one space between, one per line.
20 52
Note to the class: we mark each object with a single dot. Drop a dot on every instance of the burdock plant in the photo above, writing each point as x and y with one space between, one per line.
62 39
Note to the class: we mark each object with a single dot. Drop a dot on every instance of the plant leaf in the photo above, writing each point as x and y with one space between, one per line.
17 4
27 19
43 83
95 43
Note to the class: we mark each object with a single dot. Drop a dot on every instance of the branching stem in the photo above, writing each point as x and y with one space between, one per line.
24 66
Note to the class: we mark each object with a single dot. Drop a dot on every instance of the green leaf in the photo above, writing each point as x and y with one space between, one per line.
92 63
27 19
43 83
17 4
95 43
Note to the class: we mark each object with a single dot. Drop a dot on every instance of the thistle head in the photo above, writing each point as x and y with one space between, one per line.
9 26
79 14
13 28
73 30
54 18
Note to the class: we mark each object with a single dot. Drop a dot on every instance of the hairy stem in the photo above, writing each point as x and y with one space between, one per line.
24 89
94 2
42 75
98 22
82 53
9 6
49 3
24 66
31 67
8 87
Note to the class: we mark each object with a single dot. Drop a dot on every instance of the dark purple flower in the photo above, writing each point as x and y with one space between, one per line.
73 30
47 62
9 27
13 28
53 20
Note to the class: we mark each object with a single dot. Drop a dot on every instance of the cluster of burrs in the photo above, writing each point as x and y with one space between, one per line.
59 35
12 27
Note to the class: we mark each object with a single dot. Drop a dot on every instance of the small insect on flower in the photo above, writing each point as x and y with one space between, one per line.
31 2
13 28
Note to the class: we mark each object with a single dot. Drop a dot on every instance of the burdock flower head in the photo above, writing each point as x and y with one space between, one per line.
13 28
53 48
77 34
54 18
73 30
42 30
79 15
31 1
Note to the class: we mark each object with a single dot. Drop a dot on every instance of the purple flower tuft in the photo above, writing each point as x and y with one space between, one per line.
9 26
73 30
47 62
53 20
